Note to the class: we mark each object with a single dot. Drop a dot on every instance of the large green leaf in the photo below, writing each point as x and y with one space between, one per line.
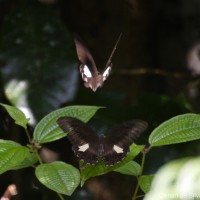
17 115
100 168
11 154
182 128
59 177
39 62
131 168
48 130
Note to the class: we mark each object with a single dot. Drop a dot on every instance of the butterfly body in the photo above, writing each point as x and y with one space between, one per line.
91 81
97 150
91 76
91 148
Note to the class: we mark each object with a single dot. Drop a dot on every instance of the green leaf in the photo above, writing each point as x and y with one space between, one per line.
17 115
145 182
30 160
182 128
48 130
59 177
11 154
131 168
100 168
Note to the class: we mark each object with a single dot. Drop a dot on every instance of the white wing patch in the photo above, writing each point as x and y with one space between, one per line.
86 72
83 148
118 149
106 73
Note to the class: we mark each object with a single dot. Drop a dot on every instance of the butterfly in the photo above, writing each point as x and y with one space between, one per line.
92 148
91 76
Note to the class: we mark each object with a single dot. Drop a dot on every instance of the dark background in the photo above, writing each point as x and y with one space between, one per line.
155 75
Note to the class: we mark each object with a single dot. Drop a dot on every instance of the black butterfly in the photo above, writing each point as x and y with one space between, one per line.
93 79
91 148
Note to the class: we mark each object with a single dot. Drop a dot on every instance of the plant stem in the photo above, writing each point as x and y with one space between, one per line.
60 196
28 136
33 145
39 159
139 177
38 155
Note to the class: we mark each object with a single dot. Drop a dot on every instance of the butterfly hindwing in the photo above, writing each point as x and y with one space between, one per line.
106 72
85 72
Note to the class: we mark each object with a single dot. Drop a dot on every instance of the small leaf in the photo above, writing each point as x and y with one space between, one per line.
182 128
48 130
11 154
17 115
100 168
30 160
131 168
59 177
145 183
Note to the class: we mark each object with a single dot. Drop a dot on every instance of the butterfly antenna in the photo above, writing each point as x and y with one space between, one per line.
113 51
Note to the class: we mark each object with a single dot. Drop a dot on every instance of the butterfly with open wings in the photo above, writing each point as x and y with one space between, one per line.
91 148
91 76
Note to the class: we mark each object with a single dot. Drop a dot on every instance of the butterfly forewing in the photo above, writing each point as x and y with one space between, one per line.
88 69
82 137
84 55
120 138
108 66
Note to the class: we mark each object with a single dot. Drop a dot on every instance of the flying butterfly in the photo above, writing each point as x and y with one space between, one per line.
91 76
92 148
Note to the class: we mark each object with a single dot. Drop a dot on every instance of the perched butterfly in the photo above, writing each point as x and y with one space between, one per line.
91 76
91 148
